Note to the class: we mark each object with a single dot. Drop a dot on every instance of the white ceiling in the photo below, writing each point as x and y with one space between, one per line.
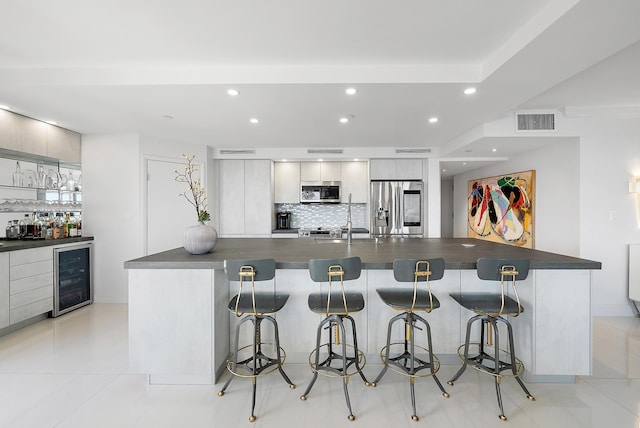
122 66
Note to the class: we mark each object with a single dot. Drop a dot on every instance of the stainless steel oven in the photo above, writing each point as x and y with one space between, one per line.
72 278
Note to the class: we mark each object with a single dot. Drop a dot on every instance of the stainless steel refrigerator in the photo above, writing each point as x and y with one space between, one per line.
396 208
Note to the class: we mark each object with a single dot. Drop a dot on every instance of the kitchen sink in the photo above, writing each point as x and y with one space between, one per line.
343 241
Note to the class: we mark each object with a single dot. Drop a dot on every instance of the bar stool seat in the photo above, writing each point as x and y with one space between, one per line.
404 359
490 309
255 359
336 357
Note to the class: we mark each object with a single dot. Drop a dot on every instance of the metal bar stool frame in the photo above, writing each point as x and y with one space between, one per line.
255 307
409 301
489 309
337 309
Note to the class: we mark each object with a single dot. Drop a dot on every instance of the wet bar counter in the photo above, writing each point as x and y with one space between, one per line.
179 324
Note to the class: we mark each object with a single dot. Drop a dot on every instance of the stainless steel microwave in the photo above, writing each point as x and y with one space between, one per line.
320 192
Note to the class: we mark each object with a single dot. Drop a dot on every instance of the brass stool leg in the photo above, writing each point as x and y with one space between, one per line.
345 378
278 354
513 363
466 351
355 350
433 373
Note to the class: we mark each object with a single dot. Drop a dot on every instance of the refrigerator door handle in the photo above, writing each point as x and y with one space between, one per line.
398 193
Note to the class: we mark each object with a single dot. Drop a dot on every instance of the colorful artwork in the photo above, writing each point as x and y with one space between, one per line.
500 209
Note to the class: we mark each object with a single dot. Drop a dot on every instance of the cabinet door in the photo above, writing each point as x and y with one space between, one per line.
258 200
330 171
382 169
287 182
395 169
4 289
231 197
310 171
409 169
355 181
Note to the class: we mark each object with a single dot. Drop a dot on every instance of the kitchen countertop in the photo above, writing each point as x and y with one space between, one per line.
295 231
17 244
458 253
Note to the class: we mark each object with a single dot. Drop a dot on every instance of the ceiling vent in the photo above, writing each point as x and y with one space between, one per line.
412 151
536 121
325 151
237 151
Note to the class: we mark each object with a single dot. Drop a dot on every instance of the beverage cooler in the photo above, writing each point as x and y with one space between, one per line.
72 281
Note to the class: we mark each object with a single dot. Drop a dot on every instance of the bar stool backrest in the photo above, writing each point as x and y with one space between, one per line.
404 270
490 269
264 269
319 268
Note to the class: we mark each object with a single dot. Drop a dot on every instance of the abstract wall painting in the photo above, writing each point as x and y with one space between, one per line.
500 209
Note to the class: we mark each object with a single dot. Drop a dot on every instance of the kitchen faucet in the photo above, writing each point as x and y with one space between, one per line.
349 225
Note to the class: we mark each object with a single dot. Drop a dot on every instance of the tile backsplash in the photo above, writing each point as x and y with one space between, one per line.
324 215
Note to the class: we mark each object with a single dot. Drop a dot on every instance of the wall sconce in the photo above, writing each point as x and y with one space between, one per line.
634 185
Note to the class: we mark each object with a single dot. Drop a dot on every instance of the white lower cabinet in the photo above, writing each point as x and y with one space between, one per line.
30 283
4 290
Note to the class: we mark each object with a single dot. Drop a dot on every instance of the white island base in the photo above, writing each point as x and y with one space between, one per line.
179 325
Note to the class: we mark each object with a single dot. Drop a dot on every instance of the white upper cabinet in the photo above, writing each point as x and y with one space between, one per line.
355 180
287 182
320 171
396 169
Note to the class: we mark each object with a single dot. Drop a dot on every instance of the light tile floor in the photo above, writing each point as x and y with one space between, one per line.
73 372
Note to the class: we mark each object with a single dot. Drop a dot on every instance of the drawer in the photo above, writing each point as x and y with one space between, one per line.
22 257
28 311
31 282
31 269
31 296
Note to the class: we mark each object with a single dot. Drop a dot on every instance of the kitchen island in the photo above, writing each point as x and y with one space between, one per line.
179 323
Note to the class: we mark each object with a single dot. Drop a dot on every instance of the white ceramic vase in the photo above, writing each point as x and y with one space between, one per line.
200 238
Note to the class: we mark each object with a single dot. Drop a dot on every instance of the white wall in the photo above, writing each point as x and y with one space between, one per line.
111 209
583 207
609 157
557 192
114 199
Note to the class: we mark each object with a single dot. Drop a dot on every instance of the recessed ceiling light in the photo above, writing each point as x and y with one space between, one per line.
51 122
3 107
347 118
433 119
464 163
351 91
470 91
233 92
254 120
444 170
494 150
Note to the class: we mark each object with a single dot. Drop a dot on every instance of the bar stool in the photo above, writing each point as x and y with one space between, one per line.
410 300
255 307
490 309
337 307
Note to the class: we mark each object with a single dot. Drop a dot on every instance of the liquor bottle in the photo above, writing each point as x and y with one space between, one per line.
26 227
72 226
79 225
17 176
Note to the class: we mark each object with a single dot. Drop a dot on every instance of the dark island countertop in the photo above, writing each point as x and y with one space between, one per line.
458 253
17 244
